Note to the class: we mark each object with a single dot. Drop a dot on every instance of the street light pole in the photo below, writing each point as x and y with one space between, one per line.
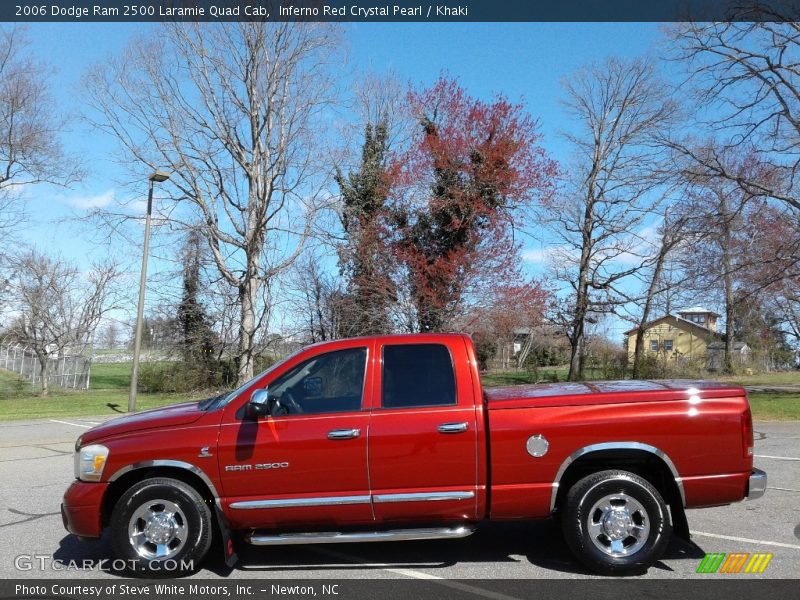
157 176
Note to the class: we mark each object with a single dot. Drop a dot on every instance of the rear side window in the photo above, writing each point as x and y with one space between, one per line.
418 375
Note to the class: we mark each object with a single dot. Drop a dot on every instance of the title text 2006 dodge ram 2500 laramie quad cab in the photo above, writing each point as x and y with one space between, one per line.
393 438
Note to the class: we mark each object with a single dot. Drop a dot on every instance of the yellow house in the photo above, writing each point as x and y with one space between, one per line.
682 337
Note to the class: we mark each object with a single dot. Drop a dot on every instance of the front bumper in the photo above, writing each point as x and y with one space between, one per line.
757 484
81 511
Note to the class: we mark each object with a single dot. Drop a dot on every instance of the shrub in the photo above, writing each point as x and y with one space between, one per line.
184 377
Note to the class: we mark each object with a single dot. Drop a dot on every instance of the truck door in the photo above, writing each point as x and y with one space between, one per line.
306 463
423 434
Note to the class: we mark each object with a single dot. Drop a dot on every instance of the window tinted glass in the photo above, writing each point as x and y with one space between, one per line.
418 375
330 382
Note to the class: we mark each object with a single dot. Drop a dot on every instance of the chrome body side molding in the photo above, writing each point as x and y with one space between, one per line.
615 446
423 497
339 500
300 502
433 533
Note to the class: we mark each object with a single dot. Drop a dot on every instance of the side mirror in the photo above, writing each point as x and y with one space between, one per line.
259 404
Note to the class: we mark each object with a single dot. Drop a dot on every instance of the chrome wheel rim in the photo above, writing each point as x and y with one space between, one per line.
618 525
157 530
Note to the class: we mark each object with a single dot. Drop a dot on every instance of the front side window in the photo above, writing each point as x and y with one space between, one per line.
668 345
418 375
328 383
653 345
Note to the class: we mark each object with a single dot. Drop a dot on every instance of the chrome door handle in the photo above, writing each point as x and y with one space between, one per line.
453 427
344 434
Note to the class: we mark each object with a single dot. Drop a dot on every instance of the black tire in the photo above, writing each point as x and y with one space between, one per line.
173 508
626 538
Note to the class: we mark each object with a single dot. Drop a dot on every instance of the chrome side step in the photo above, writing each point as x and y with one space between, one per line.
334 537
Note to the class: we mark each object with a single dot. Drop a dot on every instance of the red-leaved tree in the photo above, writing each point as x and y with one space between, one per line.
514 312
472 168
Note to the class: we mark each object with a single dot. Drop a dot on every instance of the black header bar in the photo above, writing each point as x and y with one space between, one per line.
265 588
399 11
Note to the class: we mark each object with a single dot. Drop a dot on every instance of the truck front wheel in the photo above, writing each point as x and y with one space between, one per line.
616 523
161 527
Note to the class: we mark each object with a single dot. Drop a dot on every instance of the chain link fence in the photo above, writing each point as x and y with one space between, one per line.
69 372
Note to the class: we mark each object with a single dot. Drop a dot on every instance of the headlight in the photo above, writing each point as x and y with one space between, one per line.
90 462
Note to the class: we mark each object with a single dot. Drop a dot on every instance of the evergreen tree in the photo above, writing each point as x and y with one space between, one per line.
363 258
196 334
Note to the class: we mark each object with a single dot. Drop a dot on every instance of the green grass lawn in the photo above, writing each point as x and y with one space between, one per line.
80 404
775 406
107 396
544 375
503 378
111 376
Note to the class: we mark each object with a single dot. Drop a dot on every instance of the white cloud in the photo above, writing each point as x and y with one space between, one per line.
546 254
640 245
90 202
138 206
535 255
644 244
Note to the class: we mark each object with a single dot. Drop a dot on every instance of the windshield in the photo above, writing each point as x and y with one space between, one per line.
223 399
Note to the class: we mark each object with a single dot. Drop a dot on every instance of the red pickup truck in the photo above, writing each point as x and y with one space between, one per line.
393 438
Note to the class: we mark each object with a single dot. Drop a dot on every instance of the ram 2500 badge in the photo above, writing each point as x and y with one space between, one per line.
393 438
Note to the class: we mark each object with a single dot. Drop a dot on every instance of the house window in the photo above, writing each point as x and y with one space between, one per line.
653 345
699 319
668 345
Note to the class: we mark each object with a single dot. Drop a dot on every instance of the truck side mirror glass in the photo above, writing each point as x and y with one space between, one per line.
259 404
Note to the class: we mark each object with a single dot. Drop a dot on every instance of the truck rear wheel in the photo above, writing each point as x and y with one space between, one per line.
616 523
161 526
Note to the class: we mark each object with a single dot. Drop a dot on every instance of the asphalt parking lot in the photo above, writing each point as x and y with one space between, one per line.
36 467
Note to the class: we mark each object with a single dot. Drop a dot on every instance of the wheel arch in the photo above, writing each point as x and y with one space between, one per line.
126 477
642 459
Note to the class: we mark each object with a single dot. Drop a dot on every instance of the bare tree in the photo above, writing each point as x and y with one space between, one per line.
234 111
672 234
619 108
380 99
57 306
322 308
29 129
111 335
716 260
749 74
787 310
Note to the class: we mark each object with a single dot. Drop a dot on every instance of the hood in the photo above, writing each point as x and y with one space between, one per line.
177 414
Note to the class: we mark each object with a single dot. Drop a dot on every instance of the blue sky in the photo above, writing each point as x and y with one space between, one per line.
524 61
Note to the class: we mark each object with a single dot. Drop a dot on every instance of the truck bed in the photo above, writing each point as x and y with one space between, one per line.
673 419
606 392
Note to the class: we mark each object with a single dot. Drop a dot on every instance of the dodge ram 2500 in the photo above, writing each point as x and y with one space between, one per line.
393 438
